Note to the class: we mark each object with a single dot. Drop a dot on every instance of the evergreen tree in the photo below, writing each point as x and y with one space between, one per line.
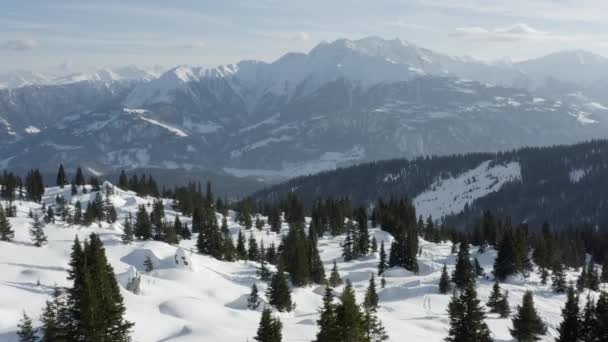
363 243
527 325
295 255
495 297
505 263
348 252
327 323
467 317
253 301
588 322
349 317
123 180
570 325
26 332
241 249
143 227
37 232
558 278
127 234
6 232
62 179
582 281
269 329
253 253
79 178
371 296
601 317
444 281
502 307
374 246
411 261
593 278
53 319
50 215
604 277
317 270
334 278
382 264
278 292
463 273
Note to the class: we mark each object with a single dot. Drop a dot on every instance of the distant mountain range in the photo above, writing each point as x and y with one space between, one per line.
342 103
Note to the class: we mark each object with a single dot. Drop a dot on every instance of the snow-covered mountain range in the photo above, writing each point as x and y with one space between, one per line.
343 102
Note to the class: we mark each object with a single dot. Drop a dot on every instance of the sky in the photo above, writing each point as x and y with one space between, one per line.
75 35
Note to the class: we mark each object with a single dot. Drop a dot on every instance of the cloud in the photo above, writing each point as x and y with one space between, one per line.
515 32
193 45
301 36
20 44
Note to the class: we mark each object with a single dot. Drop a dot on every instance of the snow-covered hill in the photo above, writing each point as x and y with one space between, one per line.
206 299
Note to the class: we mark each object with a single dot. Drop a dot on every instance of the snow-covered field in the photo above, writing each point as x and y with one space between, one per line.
206 300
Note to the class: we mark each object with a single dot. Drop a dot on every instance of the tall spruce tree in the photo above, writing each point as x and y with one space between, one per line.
253 301
334 278
558 278
143 227
241 249
527 325
253 252
588 322
327 322
269 329
278 292
317 270
569 327
62 179
349 317
467 317
6 232
463 273
444 281
295 255
382 263
37 234
127 233
505 263
601 317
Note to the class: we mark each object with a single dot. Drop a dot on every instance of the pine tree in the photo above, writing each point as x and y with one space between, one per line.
502 306
558 278
334 278
382 264
570 325
371 296
241 250
26 332
527 325
593 278
50 215
467 317
363 243
601 317
53 320
253 253
62 179
581 282
37 232
349 317
411 252
505 263
604 277
588 323
463 273
6 232
327 323
253 301
495 297
127 234
269 329
347 246
295 255
444 281
143 227
317 270
278 292
79 178
374 246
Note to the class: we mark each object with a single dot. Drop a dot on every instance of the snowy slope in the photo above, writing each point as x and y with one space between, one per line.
450 195
206 301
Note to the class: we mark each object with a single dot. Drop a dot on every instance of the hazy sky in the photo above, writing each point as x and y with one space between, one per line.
45 34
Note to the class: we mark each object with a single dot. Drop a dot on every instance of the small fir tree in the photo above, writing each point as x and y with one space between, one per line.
253 301
127 233
269 329
467 317
6 232
382 264
278 292
37 232
327 322
558 279
463 273
569 327
502 307
495 297
26 332
148 264
371 295
334 278
444 281
527 325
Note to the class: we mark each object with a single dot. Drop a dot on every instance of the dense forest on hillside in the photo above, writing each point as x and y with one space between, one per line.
561 184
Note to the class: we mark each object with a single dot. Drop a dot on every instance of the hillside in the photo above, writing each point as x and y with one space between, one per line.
561 184
205 299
